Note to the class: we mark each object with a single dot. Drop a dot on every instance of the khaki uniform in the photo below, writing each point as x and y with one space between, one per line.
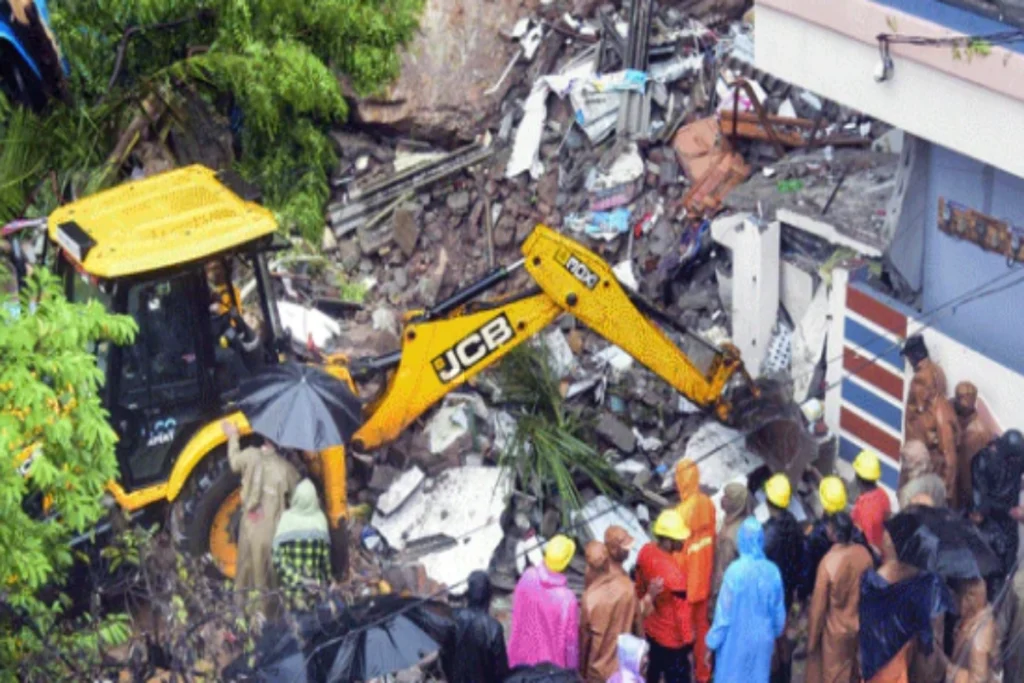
267 480
834 620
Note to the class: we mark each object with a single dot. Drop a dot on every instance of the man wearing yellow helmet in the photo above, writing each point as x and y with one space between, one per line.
661 584
545 612
872 507
832 495
784 544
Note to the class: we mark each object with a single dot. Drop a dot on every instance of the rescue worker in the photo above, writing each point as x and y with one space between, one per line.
609 608
661 586
545 612
736 506
975 434
833 620
479 655
698 557
832 496
995 488
915 461
302 555
750 613
633 660
222 299
916 352
619 544
872 508
976 657
784 544
267 481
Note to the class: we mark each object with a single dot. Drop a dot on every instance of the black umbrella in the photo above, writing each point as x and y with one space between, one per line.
937 540
300 406
390 634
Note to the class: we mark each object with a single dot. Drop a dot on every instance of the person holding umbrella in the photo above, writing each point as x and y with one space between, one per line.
267 481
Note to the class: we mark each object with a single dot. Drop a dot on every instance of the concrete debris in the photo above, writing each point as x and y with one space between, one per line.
720 193
616 433
398 493
463 505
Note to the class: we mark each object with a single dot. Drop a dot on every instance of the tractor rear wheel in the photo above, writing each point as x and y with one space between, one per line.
206 516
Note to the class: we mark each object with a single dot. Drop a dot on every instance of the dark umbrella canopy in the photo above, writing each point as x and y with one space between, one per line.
393 634
542 673
300 406
937 540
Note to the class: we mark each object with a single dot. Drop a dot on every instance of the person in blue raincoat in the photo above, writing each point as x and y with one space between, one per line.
750 613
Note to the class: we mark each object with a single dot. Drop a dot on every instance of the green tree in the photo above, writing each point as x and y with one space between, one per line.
271 65
50 411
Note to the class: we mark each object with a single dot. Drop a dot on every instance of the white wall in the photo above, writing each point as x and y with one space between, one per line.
922 100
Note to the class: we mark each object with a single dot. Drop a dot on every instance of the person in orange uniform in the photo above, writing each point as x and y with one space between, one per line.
661 587
697 558
872 507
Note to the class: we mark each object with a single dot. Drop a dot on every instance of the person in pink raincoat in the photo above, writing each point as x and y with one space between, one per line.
545 612
632 660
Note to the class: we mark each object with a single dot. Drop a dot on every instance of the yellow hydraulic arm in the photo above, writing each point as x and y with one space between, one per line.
440 353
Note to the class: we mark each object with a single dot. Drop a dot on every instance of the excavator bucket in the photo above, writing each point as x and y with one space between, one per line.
775 428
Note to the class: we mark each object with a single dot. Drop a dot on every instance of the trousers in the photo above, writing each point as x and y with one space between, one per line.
672 664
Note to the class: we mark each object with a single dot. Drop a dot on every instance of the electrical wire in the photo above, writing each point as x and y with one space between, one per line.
973 294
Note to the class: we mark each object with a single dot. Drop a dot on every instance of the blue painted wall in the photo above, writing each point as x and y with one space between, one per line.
993 325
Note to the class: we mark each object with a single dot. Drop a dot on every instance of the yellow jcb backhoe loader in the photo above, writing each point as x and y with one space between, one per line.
146 249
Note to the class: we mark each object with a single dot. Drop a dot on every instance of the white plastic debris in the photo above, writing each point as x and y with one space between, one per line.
385 319
560 354
305 323
625 275
504 426
615 358
647 443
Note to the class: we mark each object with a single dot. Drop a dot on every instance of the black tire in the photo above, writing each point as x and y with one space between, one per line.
193 512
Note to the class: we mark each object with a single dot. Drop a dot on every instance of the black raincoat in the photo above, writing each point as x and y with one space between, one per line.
995 481
818 545
479 655
785 545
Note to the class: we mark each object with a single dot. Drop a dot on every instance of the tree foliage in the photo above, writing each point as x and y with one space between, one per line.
53 422
271 66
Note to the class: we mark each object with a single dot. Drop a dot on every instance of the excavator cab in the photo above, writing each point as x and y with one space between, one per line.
170 251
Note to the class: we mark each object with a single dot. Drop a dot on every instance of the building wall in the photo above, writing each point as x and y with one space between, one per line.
829 48
992 325
868 379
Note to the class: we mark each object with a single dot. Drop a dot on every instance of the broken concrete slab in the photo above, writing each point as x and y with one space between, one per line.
560 355
446 427
601 513
305 324
399 491
721 454
616 432
462 504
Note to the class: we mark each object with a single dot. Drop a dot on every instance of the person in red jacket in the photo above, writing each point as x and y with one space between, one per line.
661 586
697 557
872 507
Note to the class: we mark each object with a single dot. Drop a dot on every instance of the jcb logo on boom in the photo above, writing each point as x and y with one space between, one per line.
473 348
580 270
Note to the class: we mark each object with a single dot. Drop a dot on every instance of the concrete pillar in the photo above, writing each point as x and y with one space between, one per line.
834 351
755 286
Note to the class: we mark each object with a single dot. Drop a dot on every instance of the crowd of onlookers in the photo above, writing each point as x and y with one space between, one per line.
733 600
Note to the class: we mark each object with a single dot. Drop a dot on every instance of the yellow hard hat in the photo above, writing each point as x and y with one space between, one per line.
559 553
867 466
670 524
778 490
832 493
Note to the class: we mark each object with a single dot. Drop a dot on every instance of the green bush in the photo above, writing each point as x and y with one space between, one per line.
50 408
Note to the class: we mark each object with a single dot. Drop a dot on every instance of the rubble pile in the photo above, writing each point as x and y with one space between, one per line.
636 130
